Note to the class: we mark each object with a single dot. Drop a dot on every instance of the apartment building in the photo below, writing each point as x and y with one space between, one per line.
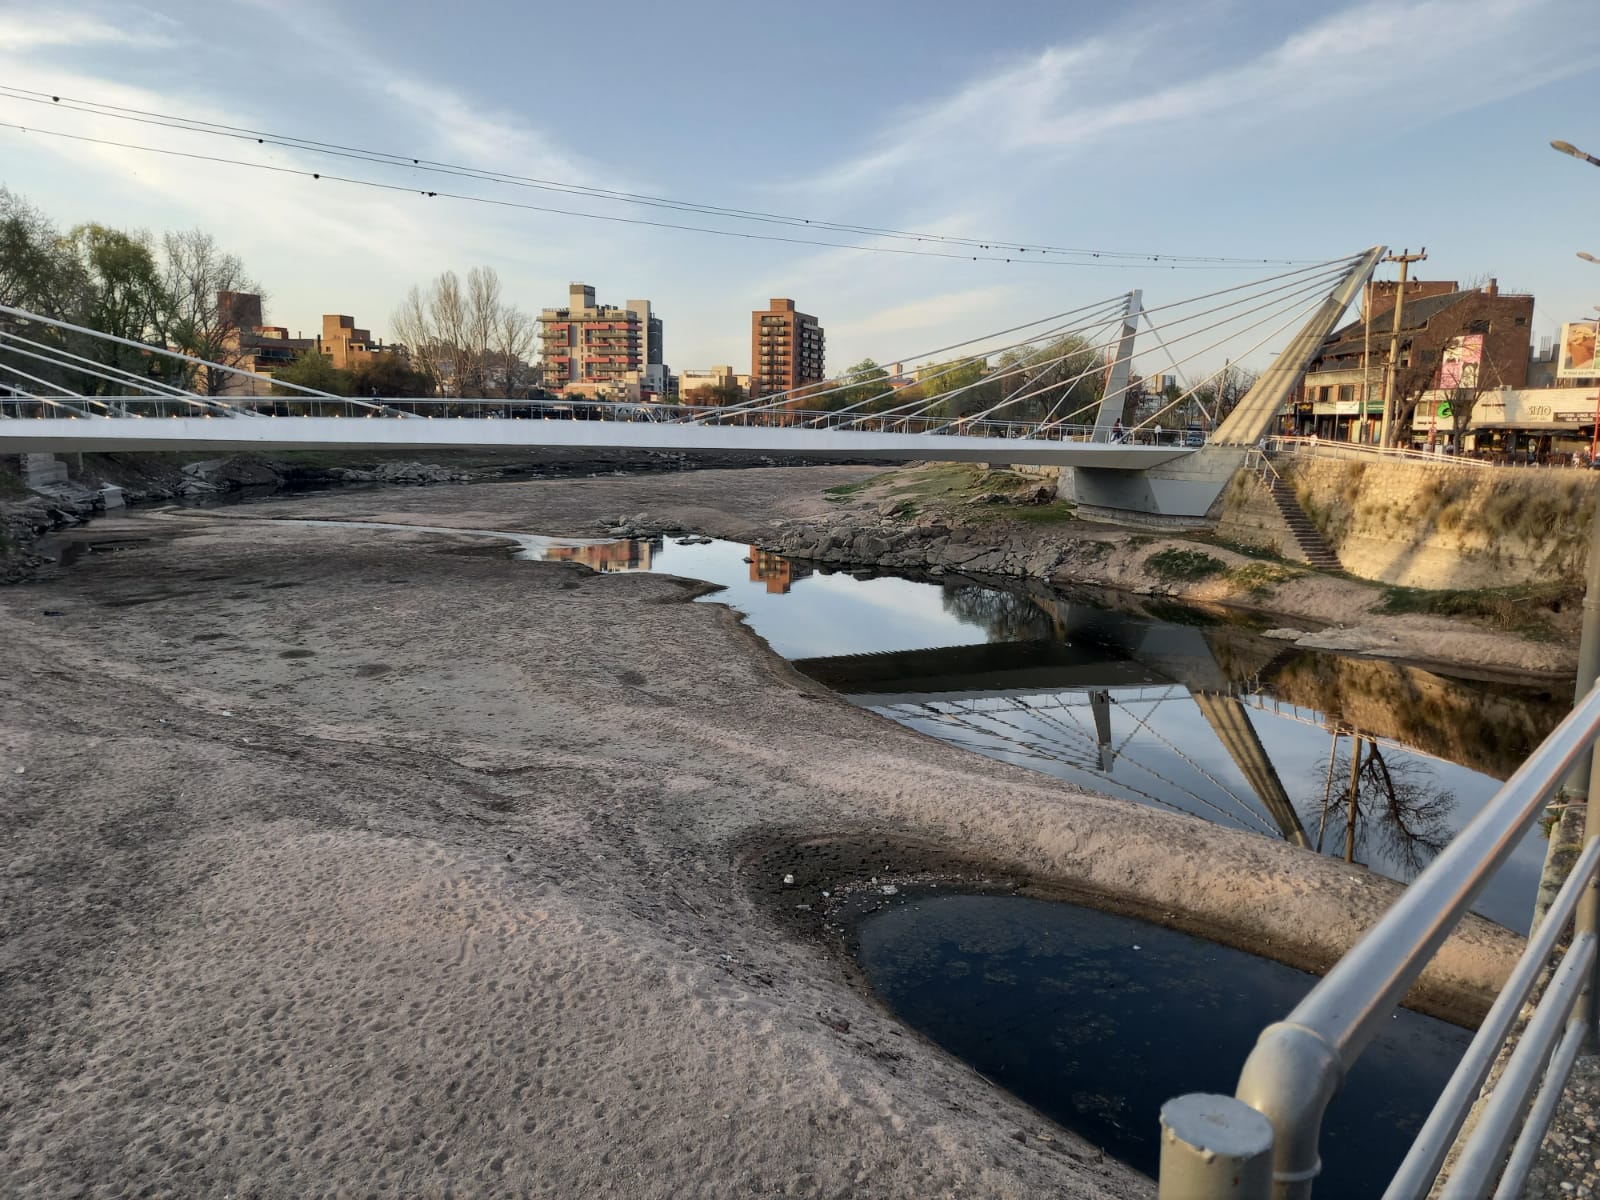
786 349
595 349
255 346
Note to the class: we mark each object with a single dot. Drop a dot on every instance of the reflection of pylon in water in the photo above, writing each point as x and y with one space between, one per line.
1100 705
1045 728
1228 719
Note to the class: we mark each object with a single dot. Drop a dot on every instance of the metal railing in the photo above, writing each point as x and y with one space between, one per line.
1263 1141
452 408
1326 448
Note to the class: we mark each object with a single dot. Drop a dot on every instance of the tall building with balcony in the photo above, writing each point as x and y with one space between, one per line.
786 349
594 348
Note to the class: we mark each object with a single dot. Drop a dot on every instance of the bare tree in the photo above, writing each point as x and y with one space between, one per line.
468 338
1394 807
200 281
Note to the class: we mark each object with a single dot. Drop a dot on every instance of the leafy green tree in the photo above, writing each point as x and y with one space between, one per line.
1064 377
388 375
961 387
37 269
313 369
862 385
125 296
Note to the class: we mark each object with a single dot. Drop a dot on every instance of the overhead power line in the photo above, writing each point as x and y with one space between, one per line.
996 248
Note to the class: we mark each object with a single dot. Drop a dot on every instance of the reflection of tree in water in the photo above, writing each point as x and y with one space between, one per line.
1008 616
1391 806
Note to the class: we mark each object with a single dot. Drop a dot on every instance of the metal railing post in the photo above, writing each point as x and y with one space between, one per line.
1585 778
1214 1148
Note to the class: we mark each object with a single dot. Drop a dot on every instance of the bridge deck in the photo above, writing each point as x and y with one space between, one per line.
205 434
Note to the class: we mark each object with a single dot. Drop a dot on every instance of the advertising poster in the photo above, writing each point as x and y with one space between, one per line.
1576 360
1458 365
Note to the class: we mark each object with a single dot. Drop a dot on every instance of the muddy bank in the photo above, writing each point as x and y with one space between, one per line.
348 859
948 518
27 516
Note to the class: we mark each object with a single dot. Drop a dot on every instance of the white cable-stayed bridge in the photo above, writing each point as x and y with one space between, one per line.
56 399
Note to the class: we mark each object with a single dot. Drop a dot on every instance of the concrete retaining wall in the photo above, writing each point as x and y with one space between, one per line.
1446 525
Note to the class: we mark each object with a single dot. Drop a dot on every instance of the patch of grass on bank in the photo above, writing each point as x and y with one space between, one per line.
843 491
1524 609
1260 578
1041 514
1183 565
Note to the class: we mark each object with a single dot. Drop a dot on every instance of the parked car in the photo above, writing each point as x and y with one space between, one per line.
1194 436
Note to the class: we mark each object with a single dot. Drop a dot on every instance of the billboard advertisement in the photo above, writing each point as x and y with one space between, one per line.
1576 357
1458 365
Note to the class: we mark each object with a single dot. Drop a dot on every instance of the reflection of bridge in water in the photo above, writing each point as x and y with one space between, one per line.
1034 696
1048 698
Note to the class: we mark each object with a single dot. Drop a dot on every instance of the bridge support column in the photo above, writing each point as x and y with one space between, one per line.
1116 389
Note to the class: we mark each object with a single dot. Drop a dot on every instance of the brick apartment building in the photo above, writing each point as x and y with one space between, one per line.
595 349
264 348
786 349
1449 338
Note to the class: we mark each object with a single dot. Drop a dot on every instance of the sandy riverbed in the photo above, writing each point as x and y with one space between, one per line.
350 862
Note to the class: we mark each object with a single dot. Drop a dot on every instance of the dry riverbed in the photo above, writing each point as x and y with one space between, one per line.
344 861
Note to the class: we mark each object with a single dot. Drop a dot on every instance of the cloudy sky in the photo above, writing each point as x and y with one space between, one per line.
1270 129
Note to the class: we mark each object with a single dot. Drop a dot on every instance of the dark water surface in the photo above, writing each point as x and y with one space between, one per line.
1096 1020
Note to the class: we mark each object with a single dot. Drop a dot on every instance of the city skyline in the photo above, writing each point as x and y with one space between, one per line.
1233 129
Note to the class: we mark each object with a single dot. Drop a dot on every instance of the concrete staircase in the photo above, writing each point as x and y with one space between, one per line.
1306 535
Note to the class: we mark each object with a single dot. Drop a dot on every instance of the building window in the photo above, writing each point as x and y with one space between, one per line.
1323 394
1520 321
1347 393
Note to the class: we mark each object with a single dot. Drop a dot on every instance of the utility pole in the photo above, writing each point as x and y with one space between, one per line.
1405 258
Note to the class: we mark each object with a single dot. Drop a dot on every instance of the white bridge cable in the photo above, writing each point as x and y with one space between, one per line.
82 370
779 399
51 400
1033 745
1301 288
1060 331
1315 287
776 401
1144 723
200 362
1301 316
922 404
132 376
21 374
1176 363
413 163
106 372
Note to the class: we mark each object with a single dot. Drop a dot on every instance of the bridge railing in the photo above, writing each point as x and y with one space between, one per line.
1263 1141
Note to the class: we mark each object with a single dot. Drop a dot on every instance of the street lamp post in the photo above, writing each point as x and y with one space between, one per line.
1585 776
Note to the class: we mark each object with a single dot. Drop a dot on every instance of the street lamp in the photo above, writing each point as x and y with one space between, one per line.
1569 148
1587 257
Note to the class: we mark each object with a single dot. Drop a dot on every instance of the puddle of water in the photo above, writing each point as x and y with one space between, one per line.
1165 706
1075 1012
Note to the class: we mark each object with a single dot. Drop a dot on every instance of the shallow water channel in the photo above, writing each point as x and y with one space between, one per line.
1157 702
1096 1019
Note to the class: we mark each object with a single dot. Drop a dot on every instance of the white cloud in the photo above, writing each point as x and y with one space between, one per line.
1346 66
34 28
